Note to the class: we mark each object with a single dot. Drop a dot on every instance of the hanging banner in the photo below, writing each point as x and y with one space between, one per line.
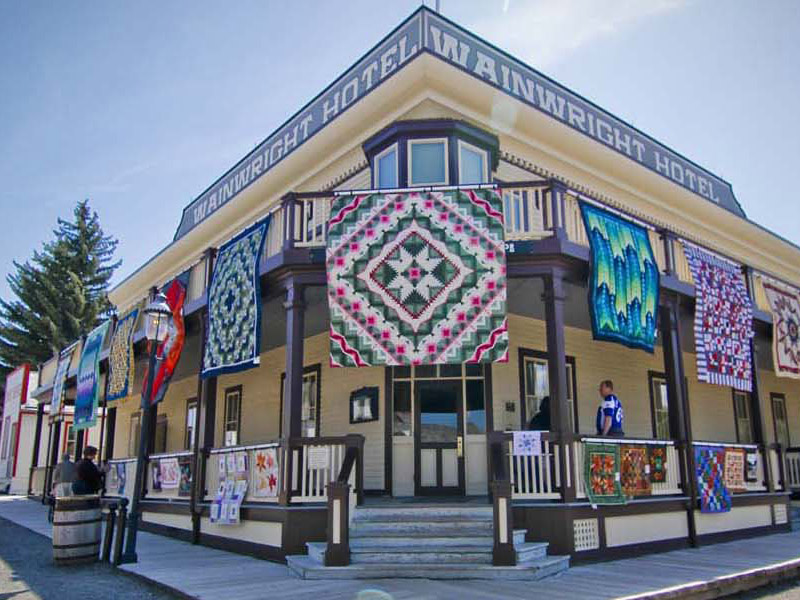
785 306
723 321
233 342
120 357
169 351
417 278
89 379
64 360
623 280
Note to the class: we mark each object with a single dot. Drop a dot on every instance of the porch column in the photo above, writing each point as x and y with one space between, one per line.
680 423
293 384
554 298
558 215
79 437
37 438
205 417
56 435
111 428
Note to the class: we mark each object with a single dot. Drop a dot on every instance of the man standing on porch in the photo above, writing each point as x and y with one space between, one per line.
609 414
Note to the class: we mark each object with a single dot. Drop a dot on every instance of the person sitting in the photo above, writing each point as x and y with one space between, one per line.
541 420
63 476
89 480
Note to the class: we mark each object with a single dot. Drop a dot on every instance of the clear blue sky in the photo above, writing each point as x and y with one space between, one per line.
139 106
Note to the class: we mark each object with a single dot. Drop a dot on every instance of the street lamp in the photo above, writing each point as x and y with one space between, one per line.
158 318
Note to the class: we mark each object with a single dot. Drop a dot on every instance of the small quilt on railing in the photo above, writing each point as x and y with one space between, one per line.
635 471
265 473
417 278
734 469
185 481
657 456
602 474
710 470
623 281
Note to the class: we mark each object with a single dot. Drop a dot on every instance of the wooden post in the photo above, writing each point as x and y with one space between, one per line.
293 384
289 202
558 211
503 552
56 432
337 553
122 518
36 444
79 437
46 484
678 402
111 428
554 298
108 534
669 252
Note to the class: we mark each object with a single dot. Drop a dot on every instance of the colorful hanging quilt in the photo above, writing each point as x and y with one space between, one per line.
635 467
710 466
233 342
602 474
723 321
658 463
417 278
64 360
734 469
120 357
785 307
88 392
265 473
185 481
169 351
170 473
623 280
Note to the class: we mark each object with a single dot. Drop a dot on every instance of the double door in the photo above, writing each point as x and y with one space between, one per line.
439 438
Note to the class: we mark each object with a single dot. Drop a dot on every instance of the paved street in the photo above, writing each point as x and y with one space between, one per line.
27 572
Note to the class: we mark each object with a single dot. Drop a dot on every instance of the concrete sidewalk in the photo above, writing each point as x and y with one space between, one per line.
200 572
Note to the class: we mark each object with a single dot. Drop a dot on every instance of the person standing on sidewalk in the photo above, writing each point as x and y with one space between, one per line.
63 476
89 480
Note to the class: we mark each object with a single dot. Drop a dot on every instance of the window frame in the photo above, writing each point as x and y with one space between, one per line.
460 144
235 389
316 369
529 353
737 417
133 440
376 165
781 398
409 155
652 377
190 402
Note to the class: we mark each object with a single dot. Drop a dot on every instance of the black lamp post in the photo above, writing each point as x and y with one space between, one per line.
158 318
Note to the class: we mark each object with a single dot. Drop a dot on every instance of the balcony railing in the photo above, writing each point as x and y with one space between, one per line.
167 493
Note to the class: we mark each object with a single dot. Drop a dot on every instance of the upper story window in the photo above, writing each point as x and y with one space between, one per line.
427 162
386 168
471 164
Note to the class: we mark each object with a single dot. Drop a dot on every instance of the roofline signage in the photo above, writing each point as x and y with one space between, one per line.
425 31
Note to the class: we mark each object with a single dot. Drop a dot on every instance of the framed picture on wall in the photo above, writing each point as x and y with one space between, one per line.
364 405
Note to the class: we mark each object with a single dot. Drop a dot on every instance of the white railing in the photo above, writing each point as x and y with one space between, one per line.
535 477
130 477
311 220
169 493
573 221
212 470
314 466
672 483
274 241
792 469
525 212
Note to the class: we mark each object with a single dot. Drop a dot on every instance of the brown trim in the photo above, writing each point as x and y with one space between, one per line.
734 391
628 550
651 376
388 417
315 368
166 508
189 401
234 388
772 397
739 534
488 398
185 535
541 355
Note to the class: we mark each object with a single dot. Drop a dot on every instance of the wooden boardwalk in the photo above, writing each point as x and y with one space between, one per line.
201 572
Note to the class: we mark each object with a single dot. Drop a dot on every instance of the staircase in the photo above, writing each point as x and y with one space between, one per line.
431 542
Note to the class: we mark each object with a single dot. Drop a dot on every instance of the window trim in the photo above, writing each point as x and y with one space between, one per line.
315 368
376 161
462 144
782 397
736 417
651 377
228 390
189 403
410 151
524 353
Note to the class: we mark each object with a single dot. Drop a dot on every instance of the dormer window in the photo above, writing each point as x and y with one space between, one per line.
427 162
386 168
471 164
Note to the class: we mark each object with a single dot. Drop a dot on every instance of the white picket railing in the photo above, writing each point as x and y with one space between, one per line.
311 220
525 212
792 470
310 477
535 477
774 463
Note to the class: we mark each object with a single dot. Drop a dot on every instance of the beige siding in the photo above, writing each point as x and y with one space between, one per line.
769 383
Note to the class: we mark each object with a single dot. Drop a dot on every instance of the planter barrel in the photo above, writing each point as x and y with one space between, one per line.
77 524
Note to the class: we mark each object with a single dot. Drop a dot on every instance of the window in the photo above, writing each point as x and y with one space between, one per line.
134 432
536 385
476 407
70 446
741 411
160 439
364 405
471 164
659 405
427 162
191 417
308 426
385 166
233 416
780 420
402 409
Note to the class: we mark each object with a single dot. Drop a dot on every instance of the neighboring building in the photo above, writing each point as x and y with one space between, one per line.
433 105
19 411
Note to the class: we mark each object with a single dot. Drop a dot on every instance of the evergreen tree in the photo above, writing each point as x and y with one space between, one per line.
60 293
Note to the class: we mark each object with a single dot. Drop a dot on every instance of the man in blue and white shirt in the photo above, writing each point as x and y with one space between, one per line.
610 415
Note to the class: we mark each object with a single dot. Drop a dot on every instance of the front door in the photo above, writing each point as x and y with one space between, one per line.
438 456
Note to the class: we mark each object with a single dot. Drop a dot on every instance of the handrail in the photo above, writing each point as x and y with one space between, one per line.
620 441
171 454
117 461
727 445
350 458
228 449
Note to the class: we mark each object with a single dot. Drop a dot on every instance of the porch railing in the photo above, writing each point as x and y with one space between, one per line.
212 471
170 492
535 477
129 466
792 469
760 480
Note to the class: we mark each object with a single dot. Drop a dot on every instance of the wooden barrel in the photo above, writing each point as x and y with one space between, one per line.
76 529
